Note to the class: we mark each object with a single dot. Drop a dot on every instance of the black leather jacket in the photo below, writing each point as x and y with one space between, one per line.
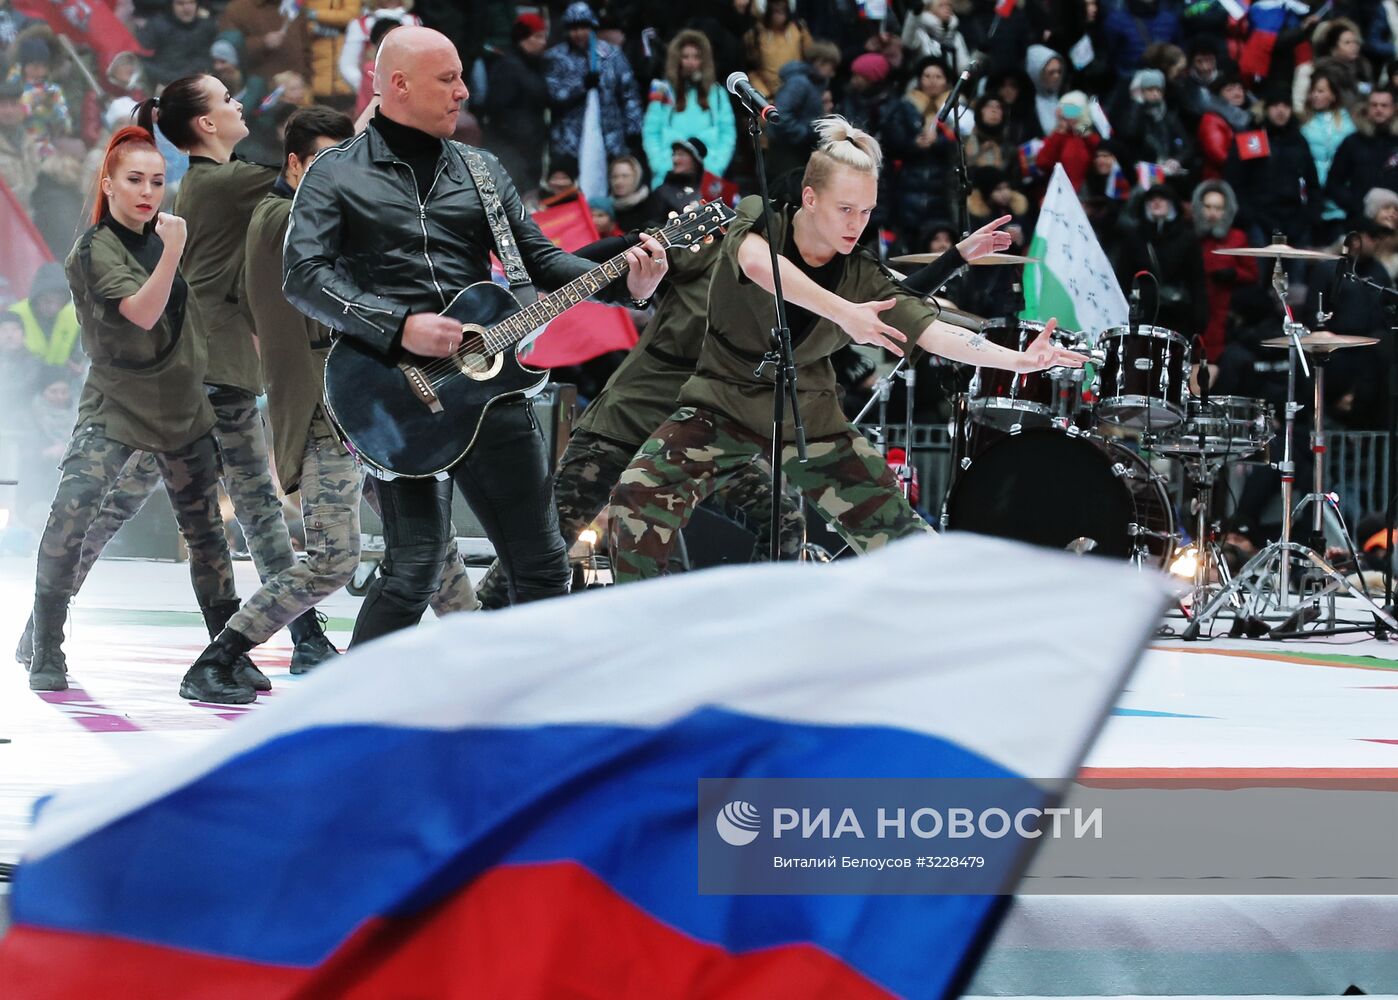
362 253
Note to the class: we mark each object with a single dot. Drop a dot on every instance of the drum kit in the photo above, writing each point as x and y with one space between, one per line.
1054 458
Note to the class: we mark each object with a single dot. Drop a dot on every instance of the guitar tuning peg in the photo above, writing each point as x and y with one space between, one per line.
707 241
695 248
673 215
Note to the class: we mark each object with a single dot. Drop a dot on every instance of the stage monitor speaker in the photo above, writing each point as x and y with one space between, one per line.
711 539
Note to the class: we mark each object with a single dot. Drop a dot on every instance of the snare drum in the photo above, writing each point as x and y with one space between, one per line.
1141 384
1229 426
1009 400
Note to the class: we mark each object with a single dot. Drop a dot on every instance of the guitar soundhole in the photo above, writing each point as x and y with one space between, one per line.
477 364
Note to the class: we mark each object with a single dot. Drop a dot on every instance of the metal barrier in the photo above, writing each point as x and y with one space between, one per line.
1356 465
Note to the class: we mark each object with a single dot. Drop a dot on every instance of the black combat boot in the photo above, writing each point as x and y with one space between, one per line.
48 668
312 647
216 677
216 617
24 652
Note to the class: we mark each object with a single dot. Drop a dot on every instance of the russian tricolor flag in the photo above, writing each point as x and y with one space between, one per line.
1149 174
504 805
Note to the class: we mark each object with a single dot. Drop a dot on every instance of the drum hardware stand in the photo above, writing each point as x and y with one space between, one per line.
1266 579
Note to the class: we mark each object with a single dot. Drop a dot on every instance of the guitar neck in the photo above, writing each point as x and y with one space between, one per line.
511 331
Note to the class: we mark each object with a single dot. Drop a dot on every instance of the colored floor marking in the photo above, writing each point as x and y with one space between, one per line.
1317 660
1147 713
78 705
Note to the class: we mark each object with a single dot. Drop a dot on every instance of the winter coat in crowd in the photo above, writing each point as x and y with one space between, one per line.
179 48
254 20
666 122
1131 27
925 34
1279 191
1365 160
566 70
800 101
1045 97
1223 274
1168 249
516 109
768 51
923 186
329 19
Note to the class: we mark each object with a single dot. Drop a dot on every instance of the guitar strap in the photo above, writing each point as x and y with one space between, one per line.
521 285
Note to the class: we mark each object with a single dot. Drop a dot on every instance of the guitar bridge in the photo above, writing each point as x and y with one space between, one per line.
421 387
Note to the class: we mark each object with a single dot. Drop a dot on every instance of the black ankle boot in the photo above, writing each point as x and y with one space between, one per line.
216 616
312 647
216 676
24 652
48 669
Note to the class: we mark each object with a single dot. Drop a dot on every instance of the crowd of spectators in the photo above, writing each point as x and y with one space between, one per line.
1183 128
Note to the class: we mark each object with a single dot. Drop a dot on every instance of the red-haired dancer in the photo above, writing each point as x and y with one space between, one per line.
144 392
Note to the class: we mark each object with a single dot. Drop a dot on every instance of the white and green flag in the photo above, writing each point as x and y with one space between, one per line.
1073 280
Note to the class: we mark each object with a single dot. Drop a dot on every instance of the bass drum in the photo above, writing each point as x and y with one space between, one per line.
1063 491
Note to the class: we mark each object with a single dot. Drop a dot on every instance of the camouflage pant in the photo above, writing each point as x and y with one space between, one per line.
246 478
845 479
91 465
591 466
331 486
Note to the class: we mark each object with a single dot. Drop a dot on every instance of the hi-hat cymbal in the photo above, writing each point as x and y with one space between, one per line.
1322 342
988 259
1284 250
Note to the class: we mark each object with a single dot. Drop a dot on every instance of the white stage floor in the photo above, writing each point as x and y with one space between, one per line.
1312 709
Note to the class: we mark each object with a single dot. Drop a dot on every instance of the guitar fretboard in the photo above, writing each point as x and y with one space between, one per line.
511 331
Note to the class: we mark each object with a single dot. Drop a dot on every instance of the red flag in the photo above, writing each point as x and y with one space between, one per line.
89 23
589 329
1004 8
25 249
1253 145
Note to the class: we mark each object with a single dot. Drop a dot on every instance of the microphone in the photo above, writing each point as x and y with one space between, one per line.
973 68
753 102
1135 318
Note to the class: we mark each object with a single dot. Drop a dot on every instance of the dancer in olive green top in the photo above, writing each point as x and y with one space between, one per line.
310 459
835 294
143 392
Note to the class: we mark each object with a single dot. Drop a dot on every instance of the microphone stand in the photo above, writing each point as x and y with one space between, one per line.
1390 299
779 355
963 178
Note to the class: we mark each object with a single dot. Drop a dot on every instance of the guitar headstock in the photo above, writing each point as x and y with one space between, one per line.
696 226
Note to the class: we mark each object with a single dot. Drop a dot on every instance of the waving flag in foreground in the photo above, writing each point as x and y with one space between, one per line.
504 805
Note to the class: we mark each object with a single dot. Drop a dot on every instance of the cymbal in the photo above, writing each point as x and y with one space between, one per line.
1322 342
988 259
1284 250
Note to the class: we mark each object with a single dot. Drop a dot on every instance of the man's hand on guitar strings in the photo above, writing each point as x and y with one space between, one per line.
431 335
648 266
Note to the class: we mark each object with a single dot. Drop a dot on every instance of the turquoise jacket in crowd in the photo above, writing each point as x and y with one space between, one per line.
664 125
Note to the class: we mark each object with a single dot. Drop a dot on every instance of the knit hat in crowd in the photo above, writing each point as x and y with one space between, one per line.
526 25
578 14
34 50
224 51
1145 78
694 147
872 66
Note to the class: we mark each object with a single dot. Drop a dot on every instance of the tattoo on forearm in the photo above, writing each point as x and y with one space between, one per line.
976 341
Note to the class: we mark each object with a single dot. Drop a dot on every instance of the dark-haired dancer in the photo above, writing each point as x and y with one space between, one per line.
309 456
144 391
216 199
